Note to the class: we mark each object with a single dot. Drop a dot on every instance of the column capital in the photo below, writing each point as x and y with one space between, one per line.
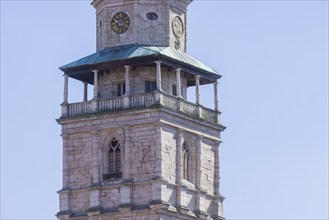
178 69
127 67
95 71
158 62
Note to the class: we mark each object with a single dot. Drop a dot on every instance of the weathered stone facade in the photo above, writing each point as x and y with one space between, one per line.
144 31
150 140
139 150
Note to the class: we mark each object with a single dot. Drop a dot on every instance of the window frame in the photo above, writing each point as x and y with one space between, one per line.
150 86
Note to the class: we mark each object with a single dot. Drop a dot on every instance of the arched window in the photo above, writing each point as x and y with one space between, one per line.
188 160
185 161
114 160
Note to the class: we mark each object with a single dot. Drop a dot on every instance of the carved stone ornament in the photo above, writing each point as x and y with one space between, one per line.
178 26
177 44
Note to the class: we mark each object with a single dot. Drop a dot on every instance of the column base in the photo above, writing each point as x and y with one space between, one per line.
63 215
202 214
123 208
219 218
93 211
186 211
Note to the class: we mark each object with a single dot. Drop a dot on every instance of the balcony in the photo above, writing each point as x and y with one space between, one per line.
139 101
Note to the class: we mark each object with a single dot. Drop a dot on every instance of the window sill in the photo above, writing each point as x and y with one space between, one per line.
112 176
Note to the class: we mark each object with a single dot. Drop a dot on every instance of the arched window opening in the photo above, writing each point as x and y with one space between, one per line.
185 162
114 160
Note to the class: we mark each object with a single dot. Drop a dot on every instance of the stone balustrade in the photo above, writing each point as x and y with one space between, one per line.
139 101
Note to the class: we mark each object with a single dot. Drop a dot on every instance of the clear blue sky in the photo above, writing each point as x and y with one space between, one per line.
273 56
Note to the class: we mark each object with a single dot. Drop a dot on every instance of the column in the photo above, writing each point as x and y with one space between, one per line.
66 81
178 83
95 159
197 89
158 64
127 80
216 96
94 104
95 84
65 161
85 91
179 167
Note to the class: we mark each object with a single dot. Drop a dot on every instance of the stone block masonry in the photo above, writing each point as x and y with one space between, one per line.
149 182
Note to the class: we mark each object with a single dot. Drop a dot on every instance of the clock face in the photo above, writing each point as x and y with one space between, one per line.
178 26
120 22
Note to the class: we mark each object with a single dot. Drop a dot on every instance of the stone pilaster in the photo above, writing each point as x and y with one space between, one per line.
94 194
198 172
156 184
64 204
216 168
179 145
218 202
66 175
95 159
126 187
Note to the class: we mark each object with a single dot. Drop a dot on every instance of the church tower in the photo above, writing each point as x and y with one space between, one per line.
139 149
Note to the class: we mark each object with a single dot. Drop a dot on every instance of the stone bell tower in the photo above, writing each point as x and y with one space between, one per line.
139 149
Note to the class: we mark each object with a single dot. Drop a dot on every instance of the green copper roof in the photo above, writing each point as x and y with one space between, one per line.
127 52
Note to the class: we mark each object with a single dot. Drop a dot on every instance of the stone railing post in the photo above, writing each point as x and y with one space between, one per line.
65 110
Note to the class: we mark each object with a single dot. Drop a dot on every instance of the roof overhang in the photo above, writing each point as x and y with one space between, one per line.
137 55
